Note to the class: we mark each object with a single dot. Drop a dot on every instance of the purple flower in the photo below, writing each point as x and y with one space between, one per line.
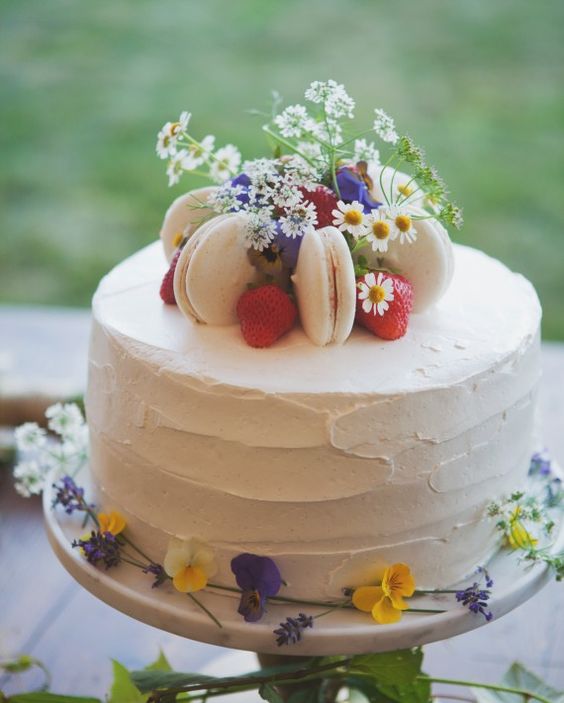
157 570
352 187
258 578
540 464
476 599
244 181
69 495
291 630
100 547
289 247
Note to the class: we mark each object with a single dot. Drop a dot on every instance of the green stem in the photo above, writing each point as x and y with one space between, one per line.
136 548
384 167
266 129
206 611
487 686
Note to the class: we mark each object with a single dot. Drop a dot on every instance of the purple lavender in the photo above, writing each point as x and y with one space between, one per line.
291 630
158 572
100 547
476 599
69 495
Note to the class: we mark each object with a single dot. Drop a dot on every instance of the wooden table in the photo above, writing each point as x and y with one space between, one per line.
43 612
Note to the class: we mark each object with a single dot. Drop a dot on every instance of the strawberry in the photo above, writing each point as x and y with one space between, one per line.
388 319
325 202
265 314
167 286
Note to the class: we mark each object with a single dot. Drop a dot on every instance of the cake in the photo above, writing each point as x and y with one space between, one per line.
334 459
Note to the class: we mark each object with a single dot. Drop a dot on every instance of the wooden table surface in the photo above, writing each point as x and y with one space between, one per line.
43 612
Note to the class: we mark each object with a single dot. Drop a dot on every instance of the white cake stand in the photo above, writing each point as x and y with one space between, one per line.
339 633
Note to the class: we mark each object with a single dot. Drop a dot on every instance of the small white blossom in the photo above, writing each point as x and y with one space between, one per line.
350 218
226 198
30 478
401 223
366 151
225 163
64 418
166 142
198 154
311 150
29 437
182 124
385 127
175 168
261 229
293 121
376 293
299 220
380 231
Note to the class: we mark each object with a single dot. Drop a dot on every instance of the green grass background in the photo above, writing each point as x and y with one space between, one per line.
84 86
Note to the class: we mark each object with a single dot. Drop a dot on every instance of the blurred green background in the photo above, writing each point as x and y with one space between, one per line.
84 87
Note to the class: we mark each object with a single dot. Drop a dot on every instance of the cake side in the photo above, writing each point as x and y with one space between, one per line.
334 461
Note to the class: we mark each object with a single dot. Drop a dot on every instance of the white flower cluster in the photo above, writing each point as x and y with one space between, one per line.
40 455
184 153
379 226
273 186
385 127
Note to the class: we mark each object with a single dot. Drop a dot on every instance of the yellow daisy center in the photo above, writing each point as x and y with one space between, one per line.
353 217
177 239
376 294
405 190
403 223
381 229
174 127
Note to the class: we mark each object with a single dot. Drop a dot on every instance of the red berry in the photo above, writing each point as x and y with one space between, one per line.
167 286
265 314
392 324
325 202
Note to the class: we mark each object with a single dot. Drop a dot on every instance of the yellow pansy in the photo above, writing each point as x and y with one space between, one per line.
386 601
190 563
518 536
112 522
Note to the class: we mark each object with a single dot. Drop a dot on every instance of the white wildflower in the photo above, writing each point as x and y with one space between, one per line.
199 153
175 168
30 478
366 151
401 223
29 437
225 163
293 121
299 220
376 293
65 419
385 127
226 198
261 229
166 142
349 217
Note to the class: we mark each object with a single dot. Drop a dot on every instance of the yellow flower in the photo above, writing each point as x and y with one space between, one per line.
190 563
386 601
112 522
518 536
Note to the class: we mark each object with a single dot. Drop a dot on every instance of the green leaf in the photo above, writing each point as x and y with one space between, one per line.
394 668
415 692
161 663
268 693
368 688
123 689
43 697
518 677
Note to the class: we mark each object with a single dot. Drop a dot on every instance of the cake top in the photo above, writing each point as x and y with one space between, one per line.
324 233
487 313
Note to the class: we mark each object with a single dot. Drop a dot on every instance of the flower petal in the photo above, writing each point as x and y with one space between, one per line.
367 305
384 612
399 579
365 597
190 579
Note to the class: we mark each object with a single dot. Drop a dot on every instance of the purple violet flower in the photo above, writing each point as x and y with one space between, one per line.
100 547
540 464
244 181
258 578
352 187
69 495
291 630
289 247
157 570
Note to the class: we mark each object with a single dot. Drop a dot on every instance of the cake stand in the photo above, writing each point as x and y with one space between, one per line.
343 632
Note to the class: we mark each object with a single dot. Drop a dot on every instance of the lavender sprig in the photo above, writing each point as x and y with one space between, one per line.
100 547
291 630
157 570
69 496
476 598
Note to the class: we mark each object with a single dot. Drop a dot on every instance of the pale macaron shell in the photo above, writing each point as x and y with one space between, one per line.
183 217
325 286
427 263
219 270
181 270
400 179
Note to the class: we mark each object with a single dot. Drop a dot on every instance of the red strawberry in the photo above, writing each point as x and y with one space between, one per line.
167 286
325 202
265 314
377 287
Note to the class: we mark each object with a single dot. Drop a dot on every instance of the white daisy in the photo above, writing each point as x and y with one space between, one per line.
293 121
401 224
297 221
350 218
380 230
199 153
376 293
366 151
166 142
175 167
385 127
225 163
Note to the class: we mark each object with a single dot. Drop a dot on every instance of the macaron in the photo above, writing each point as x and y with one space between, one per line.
427 263
325 286
213 271
183 217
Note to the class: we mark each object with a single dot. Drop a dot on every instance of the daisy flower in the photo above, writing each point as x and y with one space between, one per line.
376 293
401 224
293 121
385 127
198 154
380 231
175 167
166 142
226 162
350 218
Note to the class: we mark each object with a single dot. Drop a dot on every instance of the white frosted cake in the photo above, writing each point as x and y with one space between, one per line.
329 459
305 385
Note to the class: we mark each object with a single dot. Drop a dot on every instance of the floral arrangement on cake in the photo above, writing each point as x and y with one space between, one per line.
526 522
325 230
